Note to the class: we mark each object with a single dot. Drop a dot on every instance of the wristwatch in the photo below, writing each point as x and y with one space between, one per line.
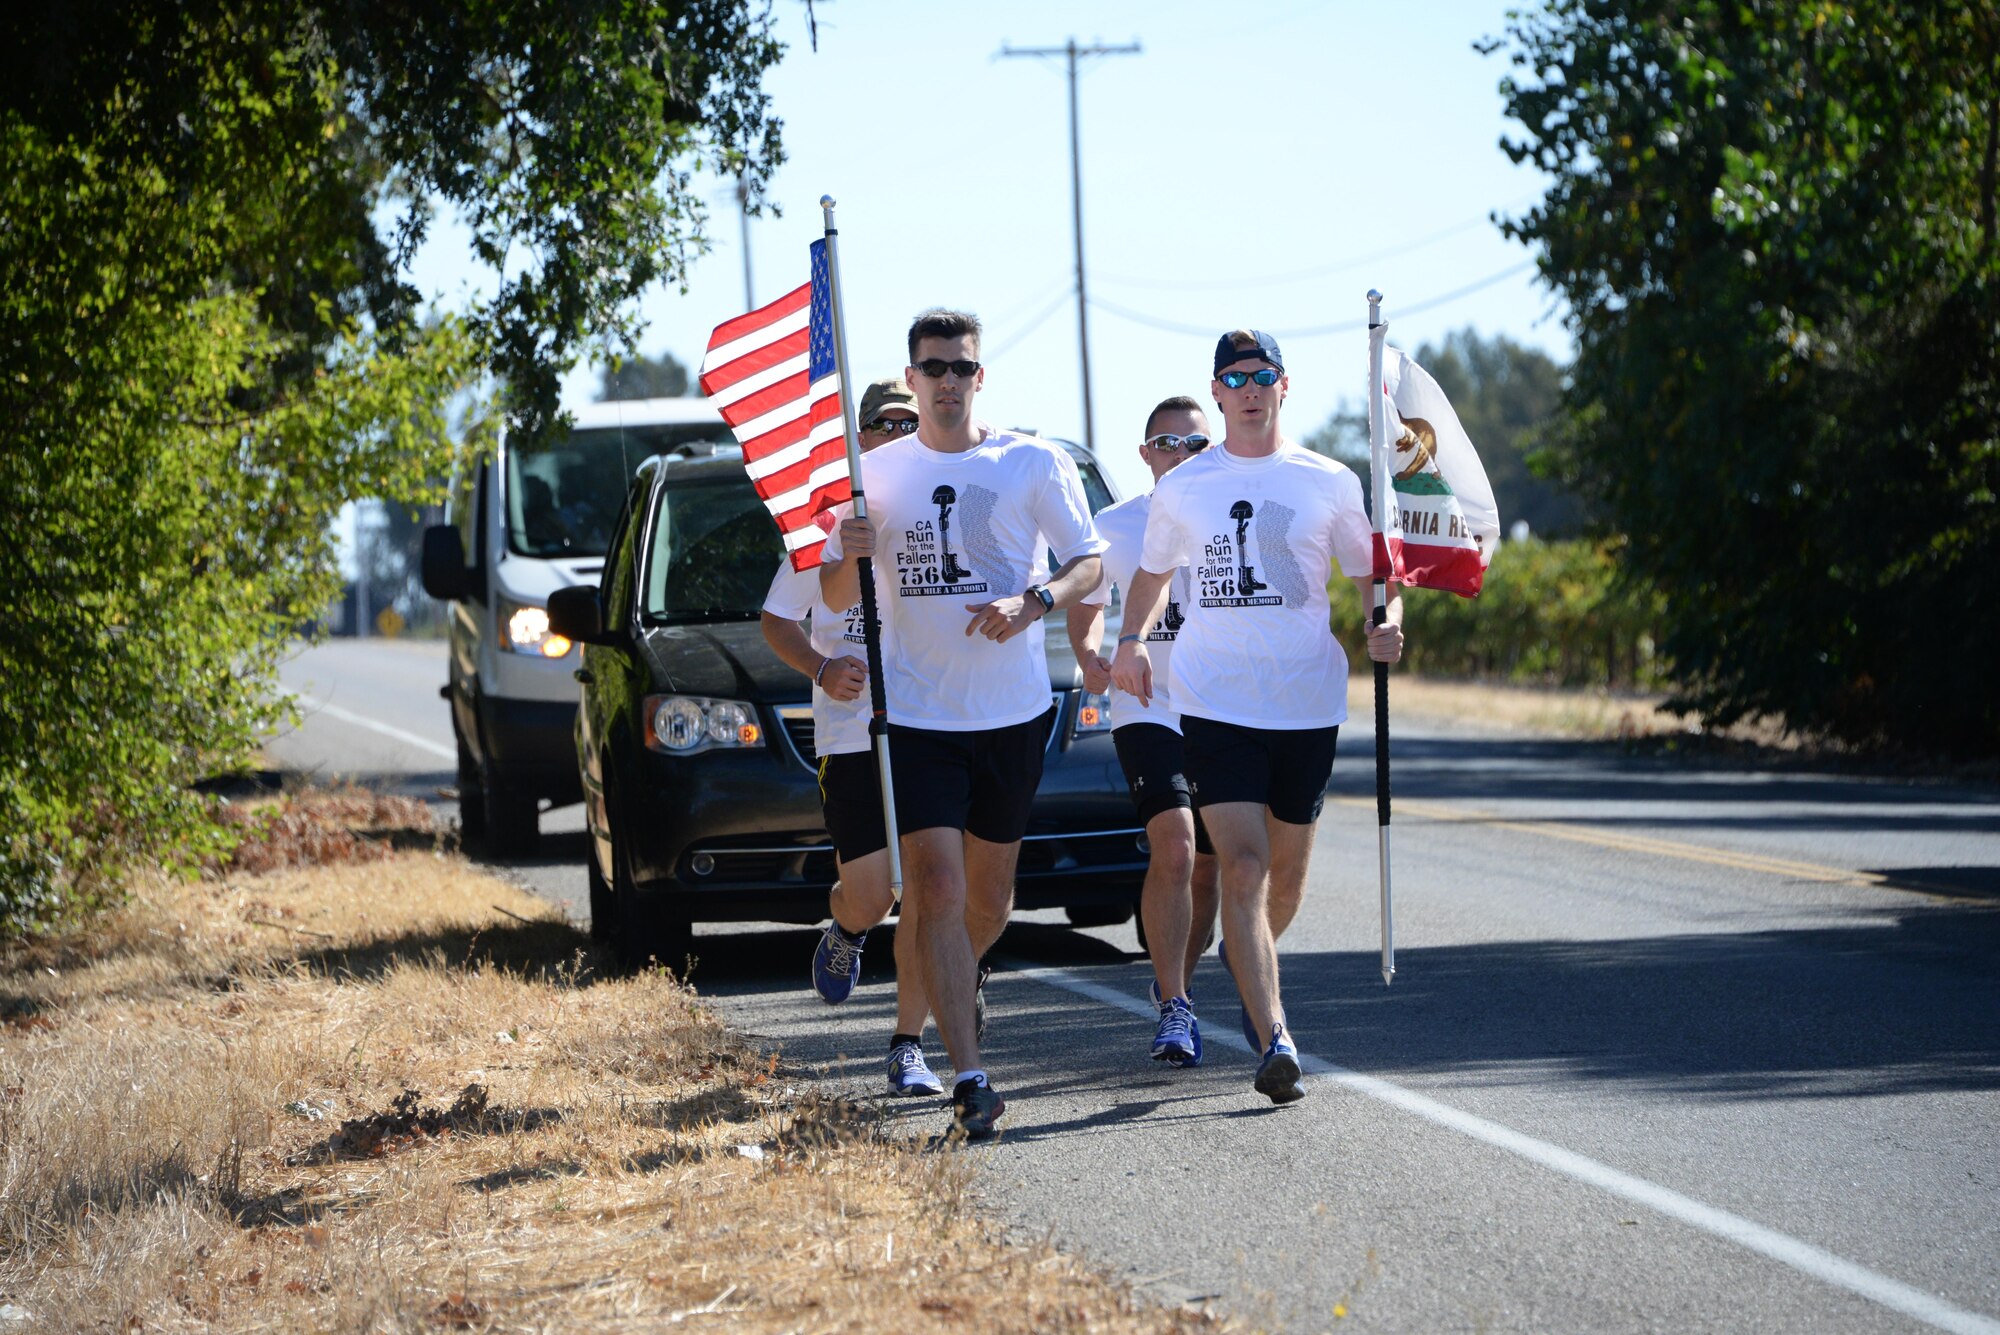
1044 597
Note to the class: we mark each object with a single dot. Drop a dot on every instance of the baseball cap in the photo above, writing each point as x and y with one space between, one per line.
1266 350
883 394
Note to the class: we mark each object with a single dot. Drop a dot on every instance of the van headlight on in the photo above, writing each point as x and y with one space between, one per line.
1093 713
681 725
524 629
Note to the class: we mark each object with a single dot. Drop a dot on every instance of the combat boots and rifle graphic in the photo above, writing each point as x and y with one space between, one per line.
953 572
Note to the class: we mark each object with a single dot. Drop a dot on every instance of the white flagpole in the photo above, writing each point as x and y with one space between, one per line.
878 721
1378 471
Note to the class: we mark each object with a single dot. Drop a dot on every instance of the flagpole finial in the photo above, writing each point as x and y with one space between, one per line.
826 201
1374 297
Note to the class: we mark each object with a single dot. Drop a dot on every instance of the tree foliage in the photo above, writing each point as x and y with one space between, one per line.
208 348
1774 226
642 377
1507 396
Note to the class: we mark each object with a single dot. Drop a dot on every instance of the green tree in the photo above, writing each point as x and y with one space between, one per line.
208 348
643 377
1774 224
1507 396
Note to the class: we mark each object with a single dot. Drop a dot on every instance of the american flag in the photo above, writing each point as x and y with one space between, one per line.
772 376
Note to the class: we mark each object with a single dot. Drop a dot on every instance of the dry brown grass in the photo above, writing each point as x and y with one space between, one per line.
200 1129
1588 715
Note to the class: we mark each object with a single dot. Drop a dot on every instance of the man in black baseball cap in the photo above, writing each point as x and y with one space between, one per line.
1261 684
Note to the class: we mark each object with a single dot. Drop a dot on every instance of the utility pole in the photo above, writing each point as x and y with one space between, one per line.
743 211
1072 51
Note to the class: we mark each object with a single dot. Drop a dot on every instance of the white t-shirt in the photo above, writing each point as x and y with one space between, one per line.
1261 539
956 530
1123 526
839 726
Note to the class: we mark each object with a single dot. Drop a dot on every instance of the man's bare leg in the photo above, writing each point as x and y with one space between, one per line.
934 877
1243 853
1204 894
1164 904
989 883
1291 856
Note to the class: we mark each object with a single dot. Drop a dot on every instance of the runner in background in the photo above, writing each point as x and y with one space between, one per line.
1259 679
850 788
1178 902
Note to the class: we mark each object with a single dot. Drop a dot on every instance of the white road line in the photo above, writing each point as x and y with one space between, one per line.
312 706
1801 1256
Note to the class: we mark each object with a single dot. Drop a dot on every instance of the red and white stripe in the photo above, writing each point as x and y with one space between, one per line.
757 373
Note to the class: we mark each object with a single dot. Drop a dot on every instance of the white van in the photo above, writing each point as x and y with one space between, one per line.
522 525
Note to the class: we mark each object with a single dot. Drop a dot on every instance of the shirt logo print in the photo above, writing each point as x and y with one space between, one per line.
1227 576
928 564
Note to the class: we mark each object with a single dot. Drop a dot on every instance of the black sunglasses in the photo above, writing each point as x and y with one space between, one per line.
1166 443
935 367
1237 379
893 426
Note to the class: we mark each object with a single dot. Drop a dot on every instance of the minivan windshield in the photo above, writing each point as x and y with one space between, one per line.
563 497
714 548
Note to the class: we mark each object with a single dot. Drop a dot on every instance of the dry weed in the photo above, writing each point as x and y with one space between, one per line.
405 1096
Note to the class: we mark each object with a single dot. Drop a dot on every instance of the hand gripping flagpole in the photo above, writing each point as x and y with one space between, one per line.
878 718
1378 471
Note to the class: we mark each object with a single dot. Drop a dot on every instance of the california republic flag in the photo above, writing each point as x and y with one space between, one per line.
1440 527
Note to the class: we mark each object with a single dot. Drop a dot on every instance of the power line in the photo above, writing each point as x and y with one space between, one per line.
1220 284
1342 327
1019 336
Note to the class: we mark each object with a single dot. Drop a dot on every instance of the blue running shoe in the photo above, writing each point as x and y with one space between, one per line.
836 963
910 1074
1178 1042
1243 1012
1278 1074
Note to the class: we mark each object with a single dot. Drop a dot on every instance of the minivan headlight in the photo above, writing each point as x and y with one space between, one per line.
1093 713
681 725
524 629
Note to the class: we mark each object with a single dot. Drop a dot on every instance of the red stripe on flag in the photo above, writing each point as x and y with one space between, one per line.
756 361
791 390
729 331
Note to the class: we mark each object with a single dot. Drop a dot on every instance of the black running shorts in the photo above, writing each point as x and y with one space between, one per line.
1150 755
1285 769
981 782
850 793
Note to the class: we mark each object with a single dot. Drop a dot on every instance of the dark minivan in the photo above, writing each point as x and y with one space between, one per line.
696 743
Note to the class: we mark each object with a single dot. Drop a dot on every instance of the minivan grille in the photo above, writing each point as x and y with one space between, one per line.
798 721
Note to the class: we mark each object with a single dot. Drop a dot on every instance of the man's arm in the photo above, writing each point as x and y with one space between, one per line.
1385 642
1086 634
840 577
842 678
1132 665
1004 618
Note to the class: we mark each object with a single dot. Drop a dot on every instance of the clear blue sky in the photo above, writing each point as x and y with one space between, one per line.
1259 166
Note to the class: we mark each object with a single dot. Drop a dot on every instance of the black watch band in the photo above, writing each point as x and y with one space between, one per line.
1044 597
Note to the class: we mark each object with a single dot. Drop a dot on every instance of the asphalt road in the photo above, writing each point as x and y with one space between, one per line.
1672 1045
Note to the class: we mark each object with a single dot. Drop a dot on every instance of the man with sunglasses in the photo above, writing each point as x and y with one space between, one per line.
850 788
1177 903
1257 675
959 516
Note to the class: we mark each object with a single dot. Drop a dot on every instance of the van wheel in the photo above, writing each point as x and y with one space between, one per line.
513 822
603 905
648 929
471 793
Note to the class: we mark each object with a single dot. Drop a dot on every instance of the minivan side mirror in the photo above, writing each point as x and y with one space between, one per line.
444 571
575 615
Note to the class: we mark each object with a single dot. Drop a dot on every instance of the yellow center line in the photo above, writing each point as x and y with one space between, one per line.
1686 852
